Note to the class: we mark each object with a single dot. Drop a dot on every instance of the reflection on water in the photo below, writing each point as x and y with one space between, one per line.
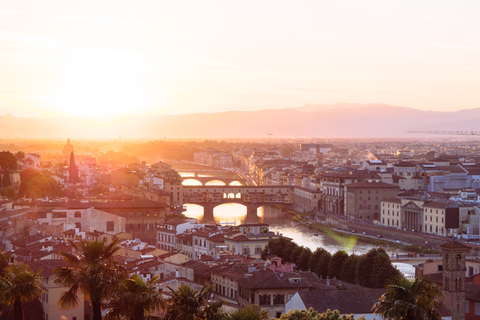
280 222
215 183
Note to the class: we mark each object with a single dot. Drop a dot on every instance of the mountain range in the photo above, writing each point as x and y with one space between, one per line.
341 120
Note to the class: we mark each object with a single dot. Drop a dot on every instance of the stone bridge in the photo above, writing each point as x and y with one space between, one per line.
205 180
210 197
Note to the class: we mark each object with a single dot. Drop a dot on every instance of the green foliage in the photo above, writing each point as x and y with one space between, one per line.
32 310
3 264
33 184
134 298
410 300
8 192
20 155
311 314
98 188
373 269
6 179
250 312
92 271
335 265
319 262
348 271
188 304
8 160
18 285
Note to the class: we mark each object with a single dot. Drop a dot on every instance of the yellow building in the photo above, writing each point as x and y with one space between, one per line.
53 292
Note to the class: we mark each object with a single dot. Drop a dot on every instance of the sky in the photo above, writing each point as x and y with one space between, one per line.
93 58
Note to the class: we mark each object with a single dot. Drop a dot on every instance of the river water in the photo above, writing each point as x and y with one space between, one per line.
235 214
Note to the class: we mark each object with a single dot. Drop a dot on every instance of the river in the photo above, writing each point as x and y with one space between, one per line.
235 214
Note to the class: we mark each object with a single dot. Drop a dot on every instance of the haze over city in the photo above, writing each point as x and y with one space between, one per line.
59 59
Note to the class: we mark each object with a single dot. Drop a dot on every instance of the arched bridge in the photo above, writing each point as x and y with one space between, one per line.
252 197
205 180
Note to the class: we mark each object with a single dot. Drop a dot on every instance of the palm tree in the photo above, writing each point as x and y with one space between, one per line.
188 304
410 300
93 272
133 298
251 312
19 284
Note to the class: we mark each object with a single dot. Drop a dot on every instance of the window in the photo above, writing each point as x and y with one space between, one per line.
477 309
467 306
110 226
78 214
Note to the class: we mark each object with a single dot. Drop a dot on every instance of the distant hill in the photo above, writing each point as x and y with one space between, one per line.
338 120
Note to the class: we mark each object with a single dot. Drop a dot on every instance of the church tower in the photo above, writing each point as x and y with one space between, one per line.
453 278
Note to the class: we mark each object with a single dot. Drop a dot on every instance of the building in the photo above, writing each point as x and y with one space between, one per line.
333 187
168 231
363 199
53 291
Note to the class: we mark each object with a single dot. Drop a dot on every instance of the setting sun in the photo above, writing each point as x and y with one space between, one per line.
99 88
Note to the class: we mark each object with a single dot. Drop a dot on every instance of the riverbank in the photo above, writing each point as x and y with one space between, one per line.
317 226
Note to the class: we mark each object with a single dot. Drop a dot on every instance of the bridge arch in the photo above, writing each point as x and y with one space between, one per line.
232 195
191 182
215 182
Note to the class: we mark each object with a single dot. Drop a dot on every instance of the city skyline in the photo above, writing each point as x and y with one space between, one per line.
100 59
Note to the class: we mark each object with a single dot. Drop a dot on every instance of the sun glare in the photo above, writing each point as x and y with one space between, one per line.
101 88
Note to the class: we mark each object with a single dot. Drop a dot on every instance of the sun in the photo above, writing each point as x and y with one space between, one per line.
101 88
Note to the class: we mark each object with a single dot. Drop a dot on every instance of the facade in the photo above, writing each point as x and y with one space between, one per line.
374 165
441 218
333 187
53 292
249 239
167 232
362 199
306 199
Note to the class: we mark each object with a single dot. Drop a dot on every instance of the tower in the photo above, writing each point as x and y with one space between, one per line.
453 278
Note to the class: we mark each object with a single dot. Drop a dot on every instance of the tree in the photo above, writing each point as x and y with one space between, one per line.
93 272
250 312
73 170
374 269
20 155
6 179
8 160
34 184
410 300
134 298
304 259
311 314
19 284
8 192
188 304
348 271
3 264
319 262
383 273
336 263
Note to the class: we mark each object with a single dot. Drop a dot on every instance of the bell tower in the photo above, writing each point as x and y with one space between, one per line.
453 278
